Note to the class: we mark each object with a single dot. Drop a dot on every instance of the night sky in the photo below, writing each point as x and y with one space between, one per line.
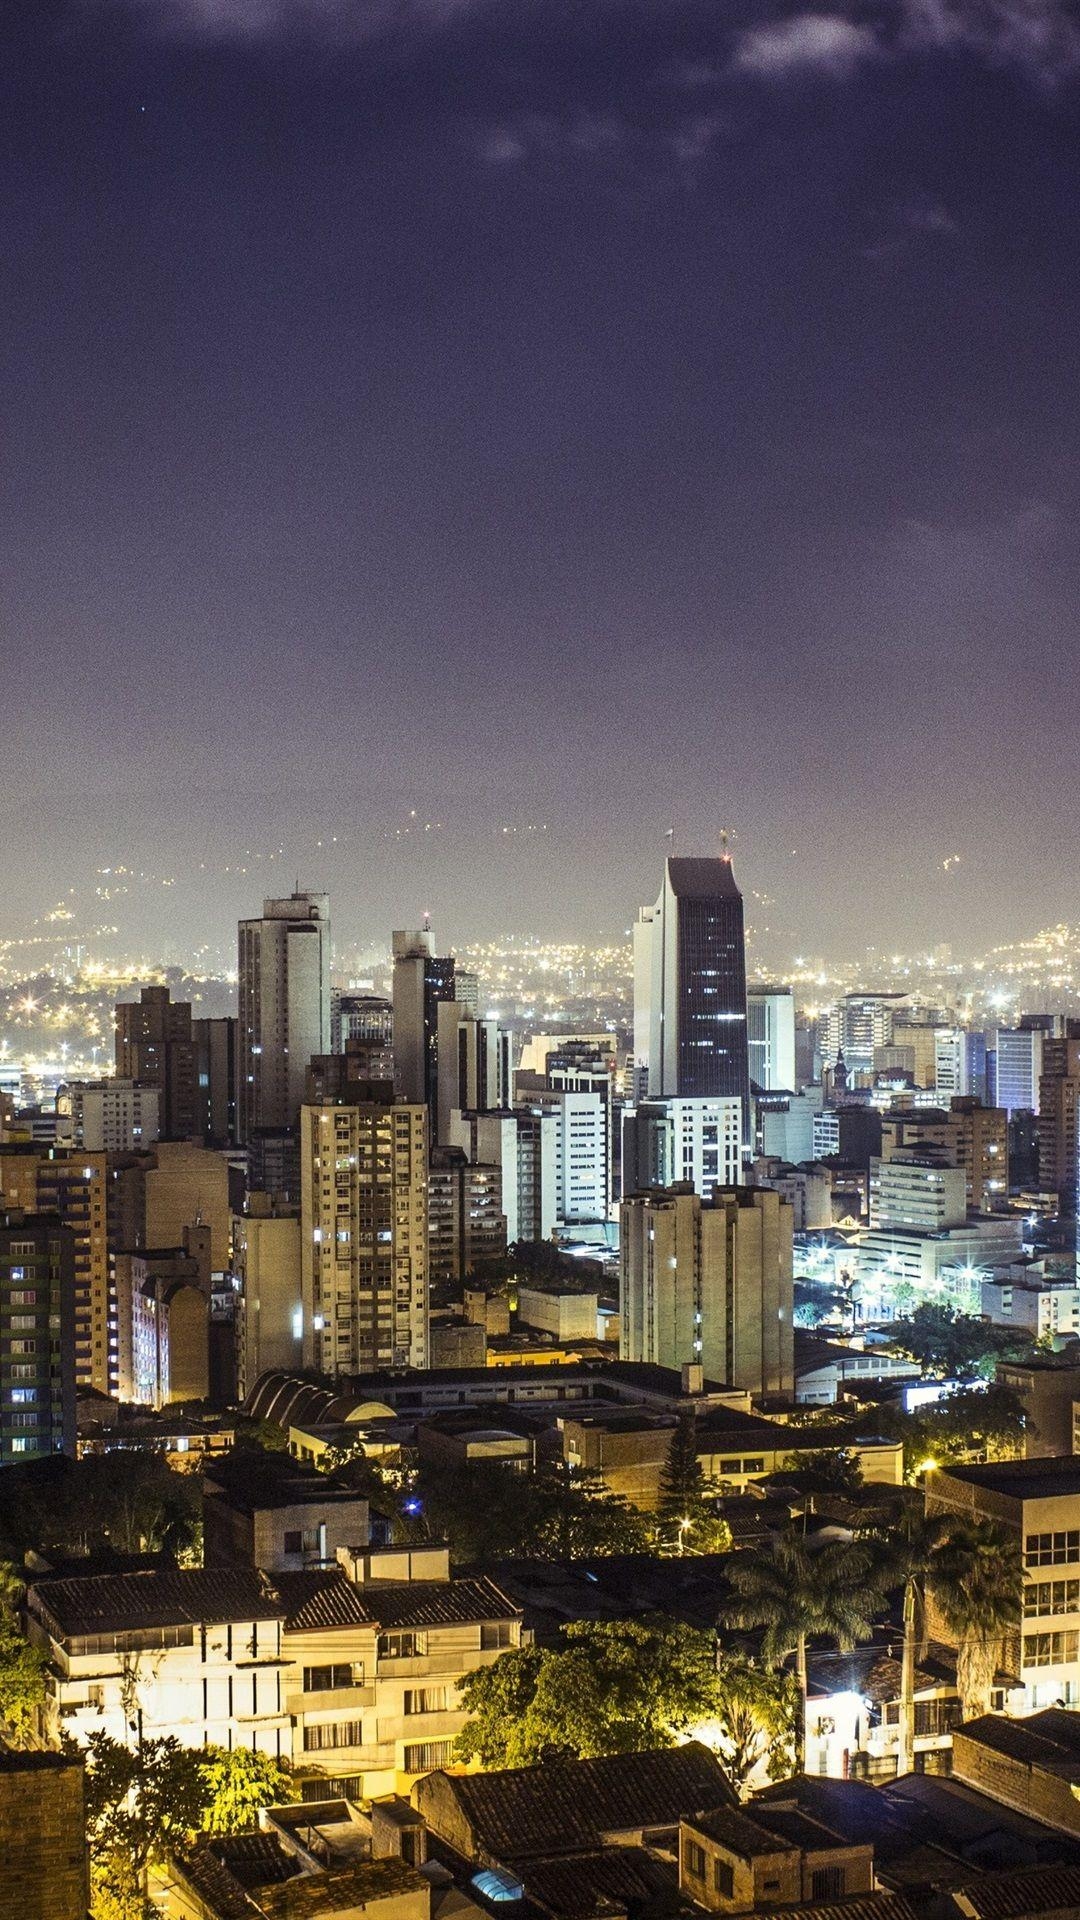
570 418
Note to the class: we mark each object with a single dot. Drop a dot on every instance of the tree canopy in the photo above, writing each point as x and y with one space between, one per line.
609 1687
487 1511
687 1520
956 1346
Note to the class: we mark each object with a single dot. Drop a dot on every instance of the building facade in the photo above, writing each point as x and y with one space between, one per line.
284 994
690 1020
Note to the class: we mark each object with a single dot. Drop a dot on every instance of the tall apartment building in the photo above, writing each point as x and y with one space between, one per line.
1059 1096
76 1188
360 1016
363 1235
857 1024
690 985
422 981
710 1281
982 1139
466 1223
694 1142
770 1014
155 1047
37 1336
284 985
110 1116
918 1189
960 1063
217 1075
523 1142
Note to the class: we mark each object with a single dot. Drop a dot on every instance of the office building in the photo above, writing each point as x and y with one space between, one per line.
154 1047
422 981
960 1064
37 1336
857 1024
109 1116
466 1223
363 1235
709 1282
917 1189
284 989
695 1142
770 1015
690 985
1016 1068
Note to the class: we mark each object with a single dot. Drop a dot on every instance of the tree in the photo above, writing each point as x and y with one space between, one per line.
955 1345
613 1686
972 1423
835 1470
138 1802
756 1714
22 1680
489 1512
977 1590
914 1554
240 1783
795 1593
575 1517
688 1520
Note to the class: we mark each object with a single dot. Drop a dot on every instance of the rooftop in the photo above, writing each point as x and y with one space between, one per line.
568 1806
126 1602
709 878
256 1481
1049 1741
1041 1478
769 1830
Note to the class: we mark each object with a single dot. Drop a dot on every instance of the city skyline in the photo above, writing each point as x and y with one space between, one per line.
581 422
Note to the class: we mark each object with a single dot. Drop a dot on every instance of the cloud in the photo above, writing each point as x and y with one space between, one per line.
1042 37
824 43
595 136
263 20
908 222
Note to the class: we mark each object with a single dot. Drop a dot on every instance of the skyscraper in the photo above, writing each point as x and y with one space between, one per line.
154 1047
690 985
284 971
422 980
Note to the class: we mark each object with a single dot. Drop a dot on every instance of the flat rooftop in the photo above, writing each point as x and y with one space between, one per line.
1037 1479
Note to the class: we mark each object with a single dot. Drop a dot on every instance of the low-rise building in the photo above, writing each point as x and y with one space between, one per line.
351 1679
754 1860
1047 1390
1032 1765
264 1510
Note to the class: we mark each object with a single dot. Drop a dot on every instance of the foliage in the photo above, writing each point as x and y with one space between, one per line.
260 1436
956 1346
488 1511
240 1783
835 1470
128 1500
971 1424
686 1513
611 1687
757 1711
138 1802
22 1680
977 1589
911 1553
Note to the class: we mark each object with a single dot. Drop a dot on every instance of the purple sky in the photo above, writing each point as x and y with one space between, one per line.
562 415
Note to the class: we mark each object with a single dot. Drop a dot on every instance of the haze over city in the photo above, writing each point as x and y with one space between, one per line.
571 420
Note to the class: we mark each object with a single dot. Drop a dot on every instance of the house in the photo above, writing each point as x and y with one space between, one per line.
1032 1765
570 1808
280 1874
853 1709
827 1370
353 1681
264 1510
740 1861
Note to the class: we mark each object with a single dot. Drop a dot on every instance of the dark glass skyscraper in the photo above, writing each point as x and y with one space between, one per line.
690 985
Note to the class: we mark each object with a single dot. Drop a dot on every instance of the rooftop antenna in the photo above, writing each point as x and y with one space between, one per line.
670 838
427 921
725 851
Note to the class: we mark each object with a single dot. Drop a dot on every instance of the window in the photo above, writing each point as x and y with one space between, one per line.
427 1700
422 1755
694 1859
293 1542
337 1733
496 1633
1051 1596
724 1878
827 1883
326 1679
1050 1649
1053 1549
402 1646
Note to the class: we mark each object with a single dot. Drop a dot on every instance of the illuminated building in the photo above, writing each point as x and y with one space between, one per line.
37 1328
363 1235
360 1016
284 987
690 985
960 1063
75 1187
422 981
110 1116
1015 1068
770 1014
916 1188
691 1141
709 1281
466 1223
524 1144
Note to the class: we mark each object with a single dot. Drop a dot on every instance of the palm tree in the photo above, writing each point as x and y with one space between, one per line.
914 1552
977 1589
796 1594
